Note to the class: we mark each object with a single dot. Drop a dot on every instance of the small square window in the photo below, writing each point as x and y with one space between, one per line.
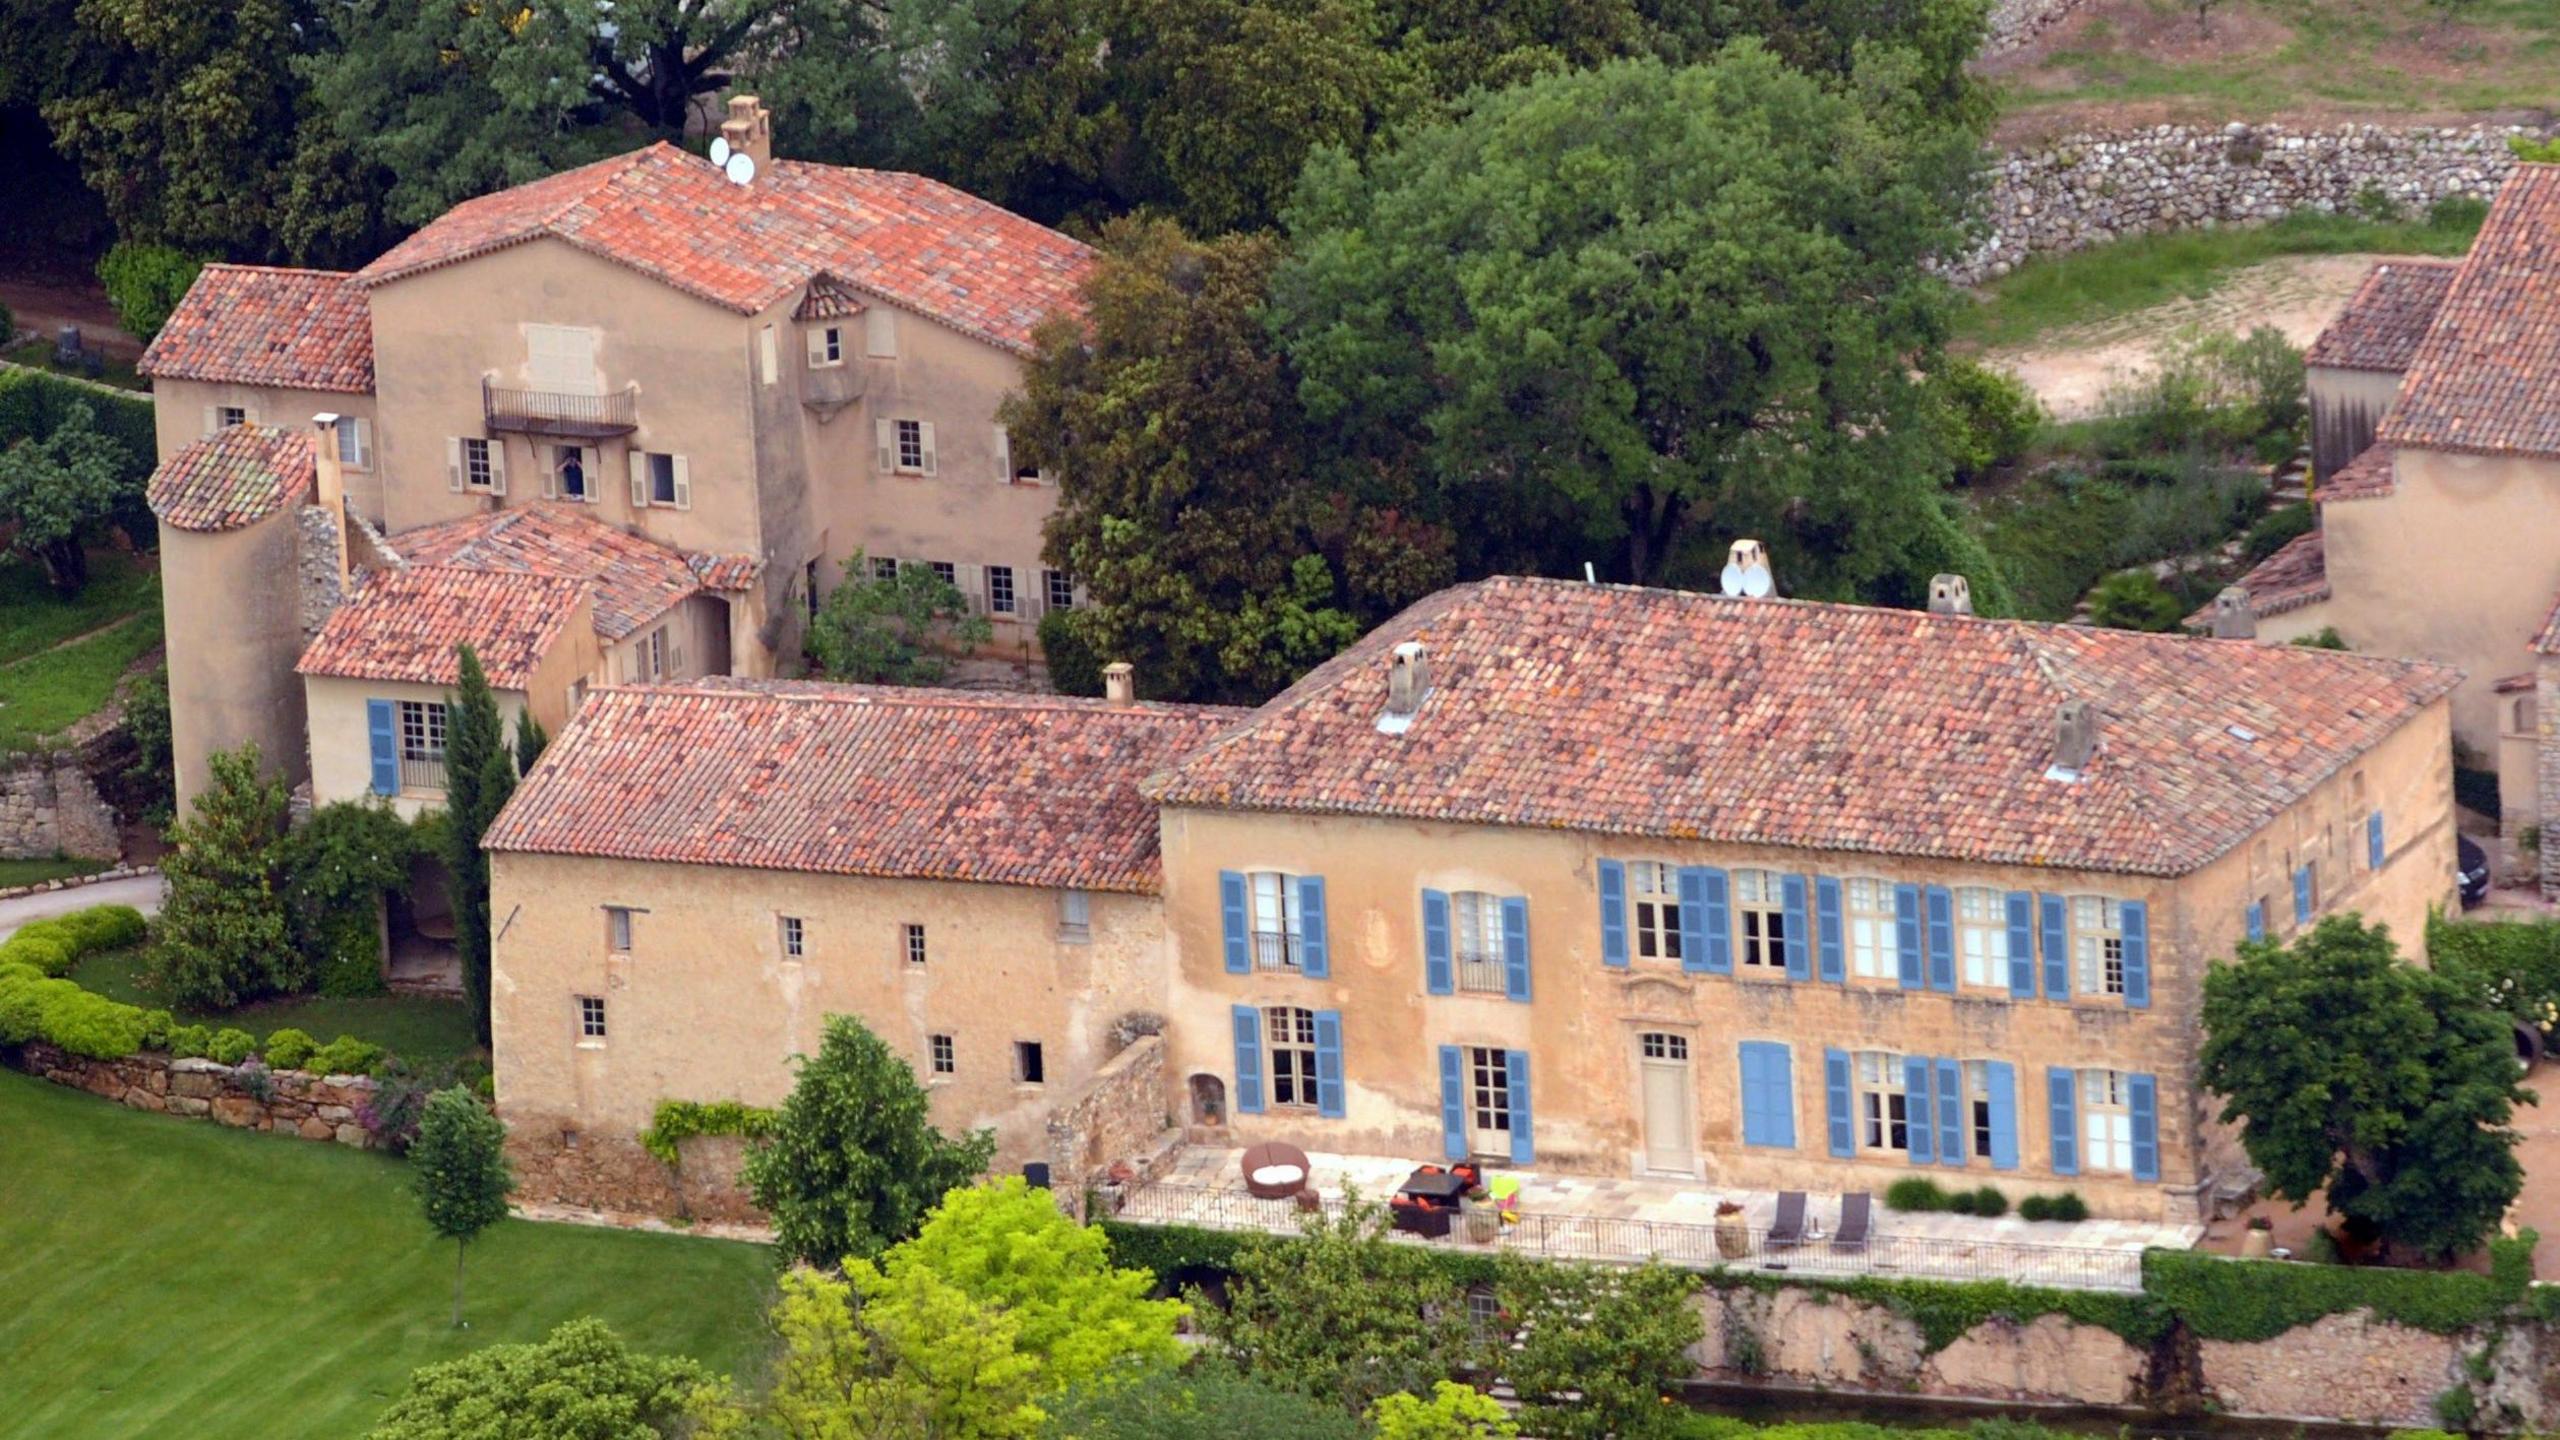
945 1058
1027 1066
591 1017
910 435
1075 915
230 415
1062 589
794 938
477 473
1000 589
946 572
915 944
617 928
884 567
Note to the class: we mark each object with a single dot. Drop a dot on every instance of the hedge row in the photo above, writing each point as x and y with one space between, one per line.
2223 1299
32 403
1168 1250
1945 1309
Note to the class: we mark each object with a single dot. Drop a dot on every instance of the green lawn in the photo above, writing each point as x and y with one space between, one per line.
422 1031
33 618
38 352
2106 281
14 873
47 693
170 1277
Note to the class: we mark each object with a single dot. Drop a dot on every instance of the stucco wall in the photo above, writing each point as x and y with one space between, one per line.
231 603
342 745
178 418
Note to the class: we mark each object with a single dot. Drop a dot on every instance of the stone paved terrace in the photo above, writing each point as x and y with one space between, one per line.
1598 1218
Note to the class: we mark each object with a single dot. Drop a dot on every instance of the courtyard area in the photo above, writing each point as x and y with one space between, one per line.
1581 1217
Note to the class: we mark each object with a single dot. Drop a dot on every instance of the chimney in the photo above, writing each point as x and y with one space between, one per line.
1120 683
1408 680
2234 618
2075 738
749 131
1950 595
329 485
1746 571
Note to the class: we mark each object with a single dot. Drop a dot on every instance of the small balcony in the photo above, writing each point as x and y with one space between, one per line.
558 413
1482 971
422 773
1273 950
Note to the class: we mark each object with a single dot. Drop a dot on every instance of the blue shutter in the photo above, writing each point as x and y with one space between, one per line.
2001 1079
1453 1103
1706 921
1950 1113
2302 896
1313 962
1906 935
2135 921
2062 1105
1613 913
1248 1060
1524 1150
2022 945
382 734
2142 1099
2373 848
1835 1103
1942 939
1437 976
2057 949
1515 947
2257 920
1329 1064
1791 892
1231 913
1915 1109
1826 905
1768 1095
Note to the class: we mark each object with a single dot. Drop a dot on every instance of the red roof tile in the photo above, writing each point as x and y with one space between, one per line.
260 325
2297 574
2369 476
2547 641
234 477
1832 727
2514 684
404 625
634 580
919 243
2386 318
858 780
2487 377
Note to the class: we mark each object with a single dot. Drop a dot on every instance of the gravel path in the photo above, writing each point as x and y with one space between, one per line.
142 892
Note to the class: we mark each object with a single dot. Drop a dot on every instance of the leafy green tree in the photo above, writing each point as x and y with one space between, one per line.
1205 1400
1598 1350
59 489
2135 600
1341 1312
460 1162
2384 1086
1833 39
223 939
1610 313
479 778
531 740
145 283
153 772
1221 558
335 869
1454 1412
895 631
582 1382
854 1162
901 84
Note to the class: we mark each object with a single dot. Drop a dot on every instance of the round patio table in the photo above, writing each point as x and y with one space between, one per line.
1274 1170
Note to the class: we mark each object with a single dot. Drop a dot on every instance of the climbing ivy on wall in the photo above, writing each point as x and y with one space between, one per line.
677 1121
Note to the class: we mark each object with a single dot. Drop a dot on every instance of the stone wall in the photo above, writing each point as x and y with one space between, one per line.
2086 189
49 806
2015 22
1813 1338
611 1175
289 1102
1117 1130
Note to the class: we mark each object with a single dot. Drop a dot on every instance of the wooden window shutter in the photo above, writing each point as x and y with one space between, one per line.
497 467
639 479
453 463
885 434
550 480
925 429
1004 456
684 484
972 580
816 336
212 419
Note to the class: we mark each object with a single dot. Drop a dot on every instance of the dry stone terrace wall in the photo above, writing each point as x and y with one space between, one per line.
611 1175
49 806
289 1102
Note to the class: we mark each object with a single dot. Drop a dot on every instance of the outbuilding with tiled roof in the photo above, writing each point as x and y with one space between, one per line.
263 325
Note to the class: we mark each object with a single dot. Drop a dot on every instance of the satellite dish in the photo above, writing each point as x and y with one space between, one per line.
739 168
1756 582
720 150
1732 579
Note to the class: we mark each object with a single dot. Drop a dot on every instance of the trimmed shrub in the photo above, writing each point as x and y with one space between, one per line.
2223 1299
288 1048
157 1027
345 1055
1990 1202
44 955
1915 1193
2069 1208
32 404
90 1025
1962 1202
190 1042
231 1046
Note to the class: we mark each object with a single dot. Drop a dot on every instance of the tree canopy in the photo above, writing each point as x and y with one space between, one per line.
460 1163
57 489
223 938
895 629
582 1382
2385 1086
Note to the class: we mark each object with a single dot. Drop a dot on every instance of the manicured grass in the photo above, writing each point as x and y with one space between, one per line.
171 1277
424 1032
14 873
2129 275
46 694
38 352
33 617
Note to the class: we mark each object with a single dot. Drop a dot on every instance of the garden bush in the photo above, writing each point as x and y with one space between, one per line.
2512 965
40 953
2223 1299
288 1049
1987 417
144 283
2134 600
2065 1208
1915 1193
32 405
677 1121
1074 668
345 1055
1990 1202
2276 529
190 1042
231 1046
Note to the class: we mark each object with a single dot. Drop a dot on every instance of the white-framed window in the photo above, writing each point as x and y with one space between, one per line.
826 346
2097 946
1884 1119
649 655
571 479
1000 599
1489 1095
1653 893
1663 1045
422 744
1289 1036
914 939
355 442
1475 940
884 567
478 472
1760 913
1061 587
226 416
662 479
1868 916
2106 1121
795 938
910 438
1278 932
1982 937
946 572
590 1017
617 929
1029 1067
1075 916
946 1056
1977 1107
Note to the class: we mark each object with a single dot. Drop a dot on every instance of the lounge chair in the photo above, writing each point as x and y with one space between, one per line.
1787 1231
1857 1221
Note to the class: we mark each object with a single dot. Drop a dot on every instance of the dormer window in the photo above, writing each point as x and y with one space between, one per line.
826 346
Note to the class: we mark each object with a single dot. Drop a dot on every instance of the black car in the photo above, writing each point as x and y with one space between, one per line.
2471 868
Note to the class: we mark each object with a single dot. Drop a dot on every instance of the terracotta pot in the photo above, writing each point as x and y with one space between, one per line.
2255 1243
1733 1235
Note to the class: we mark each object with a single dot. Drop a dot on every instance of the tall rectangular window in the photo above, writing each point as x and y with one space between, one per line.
1075 916
2106 1121
662 479
1000 590
477 472
1062 589
1977 1107
1884 1119
591 1017
1489 1096
422 744
1028 1066
910 437
355 450
1278 930
1758 905
2097 946
915 944
1869 917
1475 934
945 1056
617 928
1289 1035
795 938
1655 890
1982 936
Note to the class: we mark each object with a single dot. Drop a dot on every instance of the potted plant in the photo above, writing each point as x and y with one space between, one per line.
1733 1233
1483 1221
2258 1239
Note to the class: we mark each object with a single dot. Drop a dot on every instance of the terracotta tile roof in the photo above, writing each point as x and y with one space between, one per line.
2514 684
725 572
2297 574
2386 317
670 215
828 299
2487 377
859 780
231 478
260 325
404 625
634 580
2366 477
1608 709
2547 640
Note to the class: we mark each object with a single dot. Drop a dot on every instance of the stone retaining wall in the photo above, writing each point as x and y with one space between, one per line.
1117 1129
49 806
557 1165
289 1102
2086 189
